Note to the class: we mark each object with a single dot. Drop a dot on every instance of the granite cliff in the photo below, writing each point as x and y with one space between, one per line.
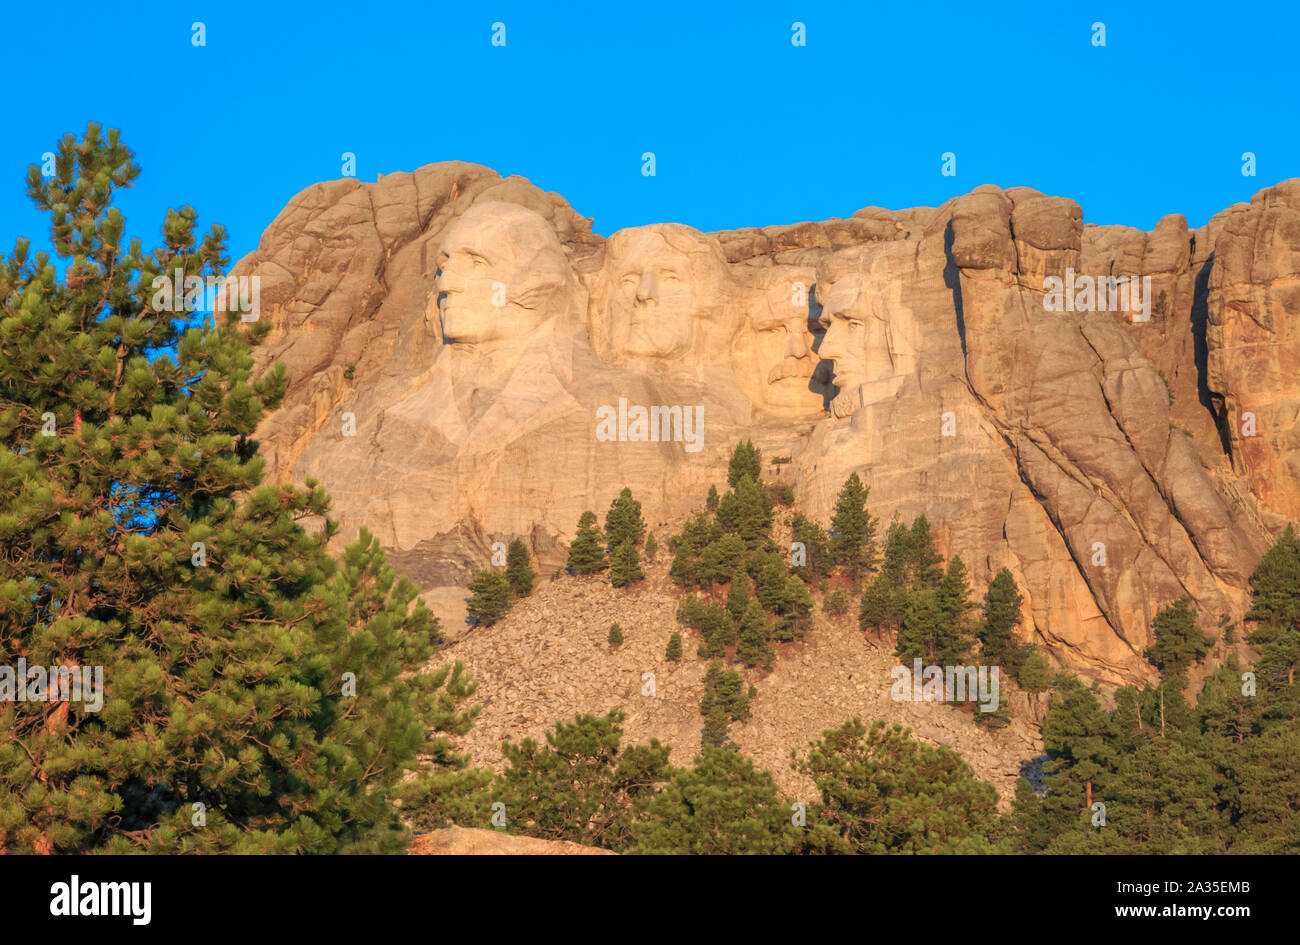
1112 414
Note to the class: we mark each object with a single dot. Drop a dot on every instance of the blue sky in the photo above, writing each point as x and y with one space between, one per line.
747 129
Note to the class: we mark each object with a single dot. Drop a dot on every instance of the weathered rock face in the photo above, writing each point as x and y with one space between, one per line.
468 360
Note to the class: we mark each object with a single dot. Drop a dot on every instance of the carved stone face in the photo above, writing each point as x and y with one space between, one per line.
661 285
856 341
774 358
845 342
501 273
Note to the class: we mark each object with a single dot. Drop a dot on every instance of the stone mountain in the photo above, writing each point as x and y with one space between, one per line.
452 338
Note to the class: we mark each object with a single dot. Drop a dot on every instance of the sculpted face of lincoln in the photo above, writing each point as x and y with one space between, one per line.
845 343
871 339
856 342
661 288
501 274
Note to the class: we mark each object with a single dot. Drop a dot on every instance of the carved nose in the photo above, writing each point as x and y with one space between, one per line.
830 344
795 346
448 279
647 289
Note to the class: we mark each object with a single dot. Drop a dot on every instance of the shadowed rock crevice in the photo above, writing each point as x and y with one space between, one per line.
1212 402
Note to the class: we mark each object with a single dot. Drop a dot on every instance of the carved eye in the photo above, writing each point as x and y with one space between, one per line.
478 260
630 281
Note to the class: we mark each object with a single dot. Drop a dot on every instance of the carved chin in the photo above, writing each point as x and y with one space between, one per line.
846 402
642 344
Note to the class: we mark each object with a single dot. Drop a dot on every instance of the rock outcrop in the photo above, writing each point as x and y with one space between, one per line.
467 360
471 841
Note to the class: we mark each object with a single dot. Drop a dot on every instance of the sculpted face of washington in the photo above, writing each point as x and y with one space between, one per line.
502 274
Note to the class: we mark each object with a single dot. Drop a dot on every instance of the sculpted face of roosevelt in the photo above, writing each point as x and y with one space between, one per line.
774 358
501 274
661 288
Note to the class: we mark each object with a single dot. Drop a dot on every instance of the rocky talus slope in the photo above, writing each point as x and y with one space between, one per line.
548 660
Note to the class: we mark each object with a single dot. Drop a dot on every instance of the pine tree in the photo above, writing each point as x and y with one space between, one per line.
1223 710
490 597
755 647
853 529
721 559
816 549
718 630
1275 584
1035 672
771 586
923 559
711 621
716 723
625 566
745 461
1165 708
722 805
796 610
587 553
921 634
1078 736
519 571
897 563
688 547
1175 779
447 789
1179 641
738 598
615 635
954 608
244 669
882 605
747 512
674 651
623 523
684 569
1267 795
885 792
726 689
1002 605
711 502
651 546
582 785
690 611
1028 830
1275 607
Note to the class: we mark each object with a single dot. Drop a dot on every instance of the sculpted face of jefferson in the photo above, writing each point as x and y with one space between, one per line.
663 288
501 274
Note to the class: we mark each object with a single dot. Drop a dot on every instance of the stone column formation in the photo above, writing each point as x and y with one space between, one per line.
472 326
